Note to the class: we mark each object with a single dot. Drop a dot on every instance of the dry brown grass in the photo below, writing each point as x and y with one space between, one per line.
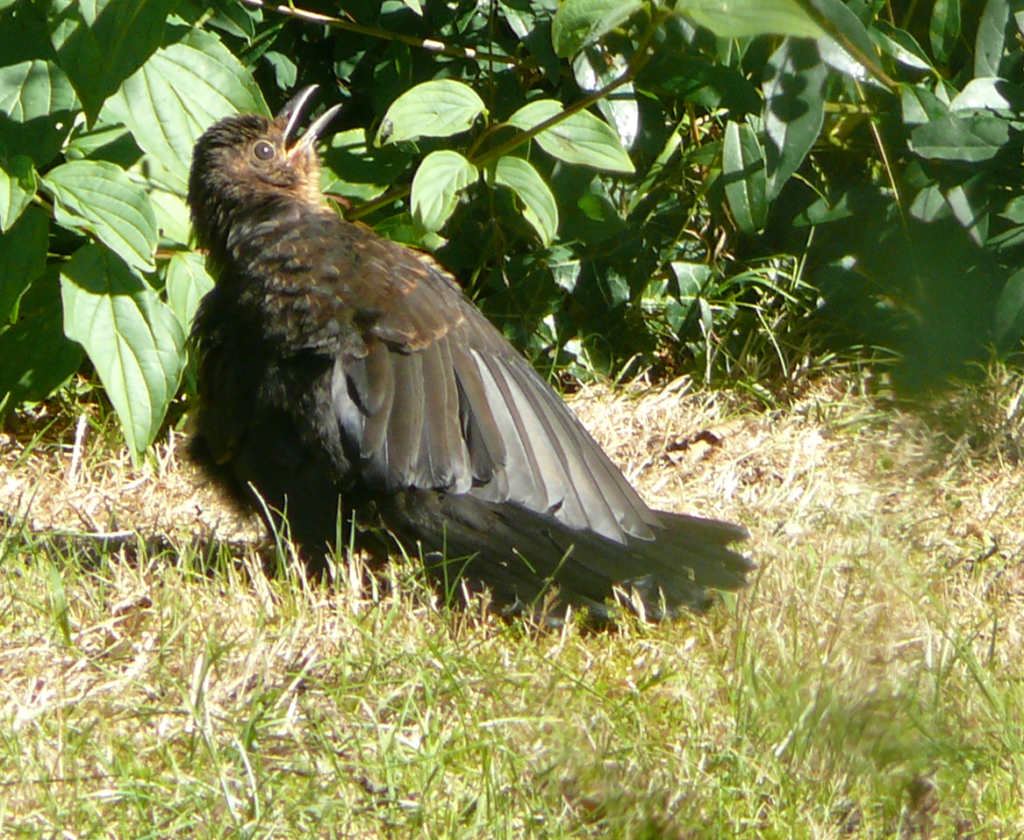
866 685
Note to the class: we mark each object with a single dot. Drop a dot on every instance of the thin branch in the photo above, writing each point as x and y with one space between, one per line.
384 34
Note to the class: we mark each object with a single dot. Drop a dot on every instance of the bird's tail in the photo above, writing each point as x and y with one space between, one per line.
522 556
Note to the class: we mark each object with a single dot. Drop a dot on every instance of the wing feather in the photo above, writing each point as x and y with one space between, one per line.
436 398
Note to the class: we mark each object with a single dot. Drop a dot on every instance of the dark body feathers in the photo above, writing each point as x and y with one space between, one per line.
338 369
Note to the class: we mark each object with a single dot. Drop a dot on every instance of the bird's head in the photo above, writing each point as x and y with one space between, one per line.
244 161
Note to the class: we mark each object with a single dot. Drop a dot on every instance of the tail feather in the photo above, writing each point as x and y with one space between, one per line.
521 555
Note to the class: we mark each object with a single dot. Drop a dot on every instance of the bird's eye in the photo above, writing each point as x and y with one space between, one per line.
263 150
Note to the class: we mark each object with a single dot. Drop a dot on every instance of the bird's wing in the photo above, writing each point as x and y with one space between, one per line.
434 397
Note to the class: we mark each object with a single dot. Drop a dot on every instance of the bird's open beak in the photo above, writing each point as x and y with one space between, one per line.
292 113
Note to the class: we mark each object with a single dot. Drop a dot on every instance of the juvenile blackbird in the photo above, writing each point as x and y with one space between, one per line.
338 371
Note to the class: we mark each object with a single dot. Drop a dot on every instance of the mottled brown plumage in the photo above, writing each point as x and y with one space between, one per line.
341 371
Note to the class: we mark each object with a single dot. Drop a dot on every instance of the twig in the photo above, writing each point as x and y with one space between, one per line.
383 34
76 453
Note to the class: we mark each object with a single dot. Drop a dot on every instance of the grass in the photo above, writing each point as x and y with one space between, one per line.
868 684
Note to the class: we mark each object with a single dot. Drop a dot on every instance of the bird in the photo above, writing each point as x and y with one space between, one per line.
343 375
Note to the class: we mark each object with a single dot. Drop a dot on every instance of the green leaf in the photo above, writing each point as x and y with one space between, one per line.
172 217
22 259
102 42
851 32
596 69
929 204
35 355
996 95
286 73
97 196
358 170
38 102
990 42
235 19
581 138
539 207
402 228
920 105
900 45
1008 328
794 108
970 207
177 94
745 179
187 283
614 285
972 139
436 187
133 339
691 278
439 108
18 185
944 28
578 23
748 18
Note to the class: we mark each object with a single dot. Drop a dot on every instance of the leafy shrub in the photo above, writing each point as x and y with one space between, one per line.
700 184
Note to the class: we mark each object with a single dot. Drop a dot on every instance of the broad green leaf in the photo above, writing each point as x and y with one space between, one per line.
286 73
996 95
35 355
1008 328
539 207
356 169
187 283
177 94
929 204
106 140
578 23
614 285
970 207
823 211
133 339
920 105
581 138
236 19
22 259
595 69
566 273
102 42
401 228
990 42
97 196
744 175
748 18
691 278
849 32
37 105
436 187
901 45
18 185
794 108
969 139
944 28
172 217
439 108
